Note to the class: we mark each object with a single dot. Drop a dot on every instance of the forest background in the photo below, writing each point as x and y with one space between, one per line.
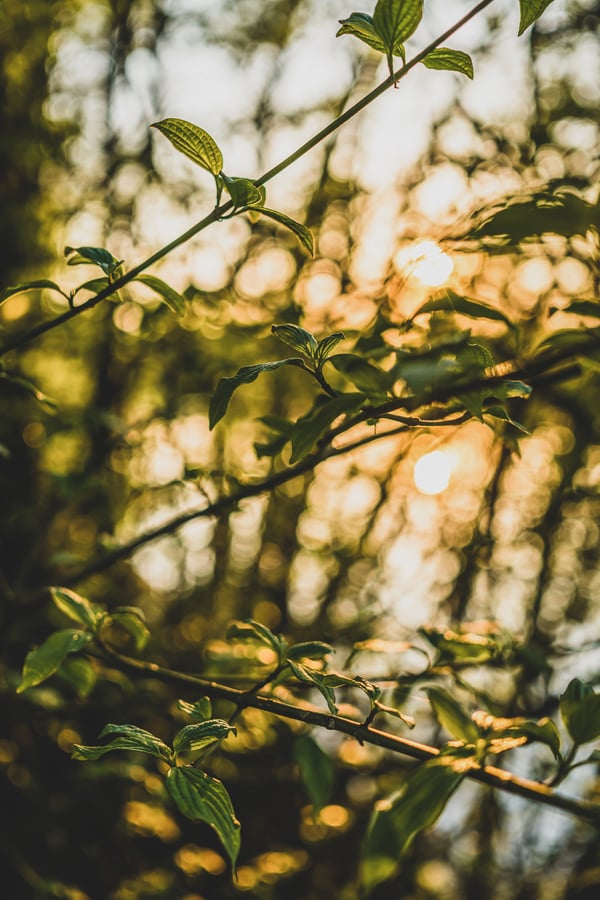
453 562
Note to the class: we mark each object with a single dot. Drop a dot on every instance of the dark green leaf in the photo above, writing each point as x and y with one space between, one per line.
76 607
310 650
198 711
95 285
326 345
449 301
79 673
464 648
311 427
226 386
398 819
530 11
311 676
316 771
173 300
250 628
498 412
96 255
43 661
544 732
579 308
132 623
303 233
369 379
129 737
561 213
199 738
30 286
453 60
204 799
297 338
580 711
360 25
451 715
194 142
243 192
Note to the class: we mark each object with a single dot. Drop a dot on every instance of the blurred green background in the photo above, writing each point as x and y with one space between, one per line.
373 544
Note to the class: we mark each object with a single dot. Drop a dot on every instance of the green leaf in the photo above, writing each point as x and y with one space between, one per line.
133 623
30 286
369 379
97 255
452 60
530 11
311 427
394 22
452 716
198 711
467 648
543 731
199 738
129 737
226 386
311 676
498 412
95 285
205 799
310 650
316 771
244 192
398 819
303 233
560 213
580 711
449 301
173 300
250 628
79 673
326 345
361 25
76 607
579 308
298 338
43 661
192 141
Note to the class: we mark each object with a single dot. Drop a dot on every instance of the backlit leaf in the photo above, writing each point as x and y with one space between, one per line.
43 661
395 21
316 771
97 255
451 715
243 192
310 650
449 301
129 737
369 379
297 338
226 386
76 607
453 60
198 711
361 25
204 799
200 737
303 233
30 286
580 711
530 11
171 297
192 141
311 427
398 819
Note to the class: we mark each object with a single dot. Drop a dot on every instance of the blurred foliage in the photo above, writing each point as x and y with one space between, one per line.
350 553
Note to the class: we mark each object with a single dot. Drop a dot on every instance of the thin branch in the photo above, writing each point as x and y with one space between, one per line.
489 775
220 211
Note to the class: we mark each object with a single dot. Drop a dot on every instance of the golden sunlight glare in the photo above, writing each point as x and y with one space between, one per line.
432 472
425 261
